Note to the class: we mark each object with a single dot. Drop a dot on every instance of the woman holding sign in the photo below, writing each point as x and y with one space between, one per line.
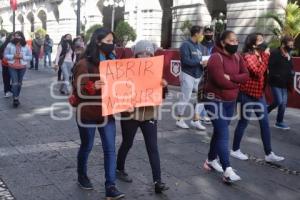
89 111
144 118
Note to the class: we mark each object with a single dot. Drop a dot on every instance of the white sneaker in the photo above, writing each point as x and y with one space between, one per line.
206 120
213 165
239 155
273 158
7 94
198 125
180 123
230 176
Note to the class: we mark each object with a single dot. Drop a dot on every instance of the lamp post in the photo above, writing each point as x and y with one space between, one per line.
78 17
114 4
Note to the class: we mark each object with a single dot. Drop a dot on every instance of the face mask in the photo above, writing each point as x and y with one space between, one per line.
200 38
289 49
263 46
107 48
16 40
208 37
232 49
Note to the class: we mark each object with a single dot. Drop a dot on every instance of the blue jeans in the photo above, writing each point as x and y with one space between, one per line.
108 135
280 96
259 106
47 55
220 114
16 76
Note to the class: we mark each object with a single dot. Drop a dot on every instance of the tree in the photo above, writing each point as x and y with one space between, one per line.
282 24
124 33
166 25
185 29
90 31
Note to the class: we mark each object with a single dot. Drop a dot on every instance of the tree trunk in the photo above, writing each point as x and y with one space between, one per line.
166 26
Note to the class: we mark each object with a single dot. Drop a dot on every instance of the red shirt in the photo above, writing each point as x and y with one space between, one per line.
217 85
257 66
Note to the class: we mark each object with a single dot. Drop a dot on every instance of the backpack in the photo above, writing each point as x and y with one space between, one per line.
74 99
201 87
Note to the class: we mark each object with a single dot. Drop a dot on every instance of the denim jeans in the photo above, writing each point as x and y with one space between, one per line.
249 104
6 79
188 84
220 113
16 76
47 56
66 69
149 130
108 135
280 97
35 60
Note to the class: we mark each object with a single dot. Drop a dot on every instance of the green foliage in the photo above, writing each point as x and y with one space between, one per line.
124 33
90 31
280 24
185 29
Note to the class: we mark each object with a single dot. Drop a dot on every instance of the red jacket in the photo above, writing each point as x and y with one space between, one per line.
254 87
217 86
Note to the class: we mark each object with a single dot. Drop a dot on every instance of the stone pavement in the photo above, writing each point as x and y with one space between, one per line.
38 156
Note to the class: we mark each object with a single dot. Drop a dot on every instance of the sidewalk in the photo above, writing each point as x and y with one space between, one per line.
38 156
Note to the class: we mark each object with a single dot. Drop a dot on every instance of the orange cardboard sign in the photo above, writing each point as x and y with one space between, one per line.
131 83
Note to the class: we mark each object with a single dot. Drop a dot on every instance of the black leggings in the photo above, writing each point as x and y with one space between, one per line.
149 130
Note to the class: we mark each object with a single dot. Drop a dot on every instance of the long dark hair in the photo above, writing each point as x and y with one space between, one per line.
23 40
92 51
65 45
250 41
4 45
224 35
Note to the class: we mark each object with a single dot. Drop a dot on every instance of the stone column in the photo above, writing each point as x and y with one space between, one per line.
195 11
145 18
243 16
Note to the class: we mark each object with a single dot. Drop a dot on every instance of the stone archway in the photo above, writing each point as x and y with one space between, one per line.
30 17
43 17
21 21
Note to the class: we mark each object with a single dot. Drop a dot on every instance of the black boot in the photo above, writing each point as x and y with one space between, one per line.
84 182
160 187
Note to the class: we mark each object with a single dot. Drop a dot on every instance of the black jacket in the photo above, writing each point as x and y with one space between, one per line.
280 70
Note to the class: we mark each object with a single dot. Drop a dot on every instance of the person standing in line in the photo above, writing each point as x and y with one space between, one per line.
251 97
191 53
65 59
144 118
89 117
18 55
48 45
225 72
281 77
5 67
37 44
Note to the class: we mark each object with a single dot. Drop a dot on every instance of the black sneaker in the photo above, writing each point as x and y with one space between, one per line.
160 187
112 193
85 183
16 103
123 176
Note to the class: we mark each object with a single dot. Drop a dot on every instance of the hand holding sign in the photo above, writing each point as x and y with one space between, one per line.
131 83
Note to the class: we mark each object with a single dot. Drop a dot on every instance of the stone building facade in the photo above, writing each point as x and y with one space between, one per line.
58 17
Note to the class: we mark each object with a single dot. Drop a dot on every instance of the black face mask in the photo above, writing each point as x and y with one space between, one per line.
232 49
289 49
107 48
16 40
208 37
262 47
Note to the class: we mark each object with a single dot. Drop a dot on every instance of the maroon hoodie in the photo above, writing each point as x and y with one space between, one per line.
217 86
